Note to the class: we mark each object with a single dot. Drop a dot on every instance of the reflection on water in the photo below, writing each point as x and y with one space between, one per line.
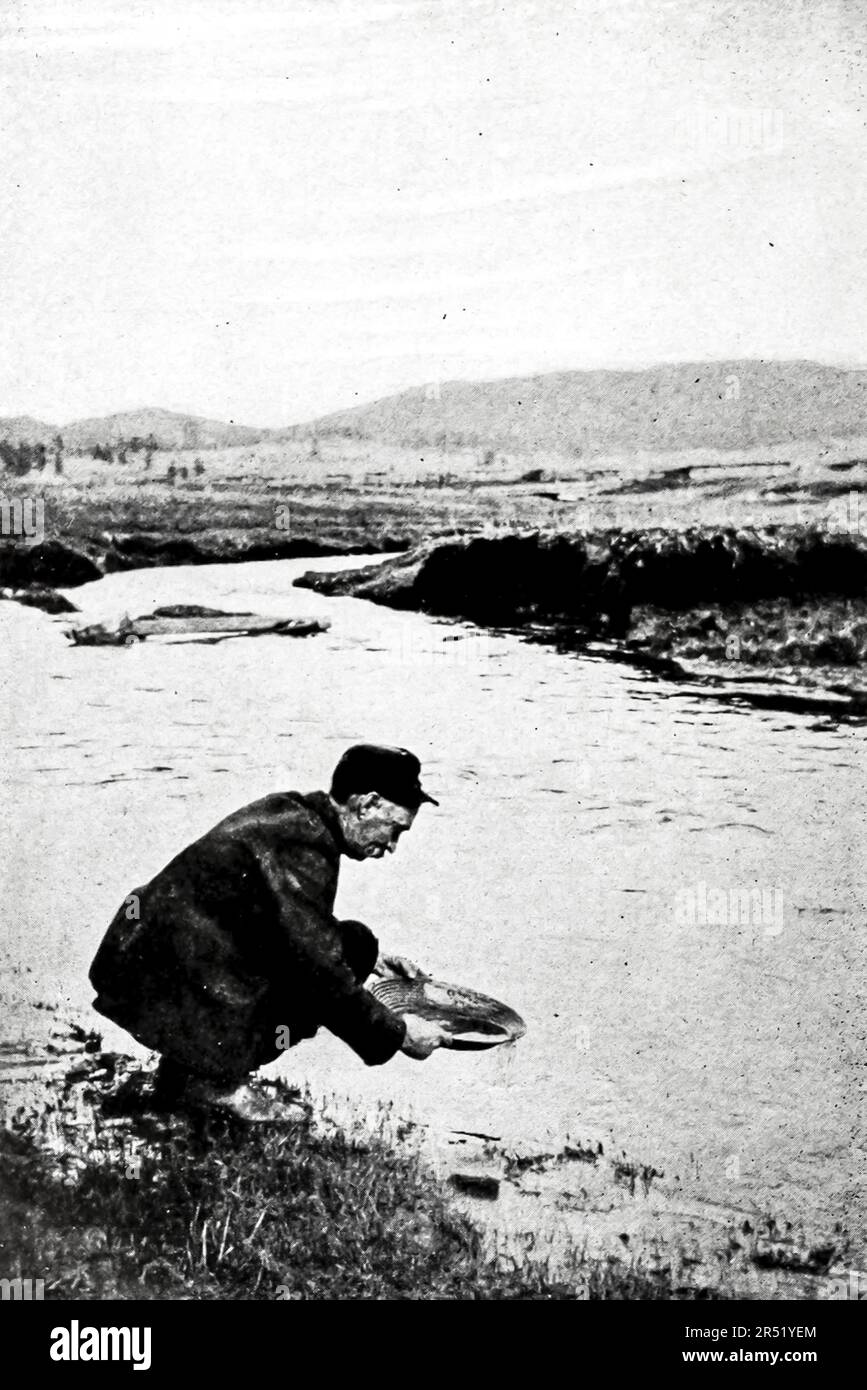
584 807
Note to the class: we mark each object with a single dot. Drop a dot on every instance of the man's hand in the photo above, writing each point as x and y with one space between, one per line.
398 967
422 1037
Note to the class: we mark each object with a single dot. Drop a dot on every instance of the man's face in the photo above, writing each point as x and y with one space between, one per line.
372 826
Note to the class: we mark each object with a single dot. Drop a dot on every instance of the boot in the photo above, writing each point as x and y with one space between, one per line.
242 1102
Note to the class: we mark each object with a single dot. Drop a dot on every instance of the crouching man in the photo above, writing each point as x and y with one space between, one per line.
232 952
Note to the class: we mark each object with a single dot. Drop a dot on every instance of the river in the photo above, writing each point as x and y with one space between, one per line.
597 829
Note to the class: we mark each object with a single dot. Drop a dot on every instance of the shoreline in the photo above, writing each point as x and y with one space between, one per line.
777 612
476 1219
777 616
355 1207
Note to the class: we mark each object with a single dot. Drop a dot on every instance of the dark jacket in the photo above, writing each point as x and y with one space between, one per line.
236 939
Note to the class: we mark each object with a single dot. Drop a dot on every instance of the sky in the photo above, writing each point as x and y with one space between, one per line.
265 211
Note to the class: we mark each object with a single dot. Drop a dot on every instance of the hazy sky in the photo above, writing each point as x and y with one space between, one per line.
263 211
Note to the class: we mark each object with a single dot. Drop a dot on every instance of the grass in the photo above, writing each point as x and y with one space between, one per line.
360 493
823 631
104 1208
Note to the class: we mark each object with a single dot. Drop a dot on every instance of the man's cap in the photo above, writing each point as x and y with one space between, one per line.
371 767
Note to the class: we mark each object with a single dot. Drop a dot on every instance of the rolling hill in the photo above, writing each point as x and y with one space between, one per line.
733 404
170 429
23 429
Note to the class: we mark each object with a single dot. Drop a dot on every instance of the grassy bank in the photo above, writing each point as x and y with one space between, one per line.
105 1206
828 632
784 600
345 495
763 591
716 555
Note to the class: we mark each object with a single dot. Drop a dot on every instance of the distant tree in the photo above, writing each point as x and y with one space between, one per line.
184 472
25 458
57 445
198 468
171 474
58 463
41 457
9 456
150 448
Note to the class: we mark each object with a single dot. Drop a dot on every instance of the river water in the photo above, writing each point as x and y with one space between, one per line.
596 830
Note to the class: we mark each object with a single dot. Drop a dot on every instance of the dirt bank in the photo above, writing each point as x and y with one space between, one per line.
106 1198
592 577
103 1197
644 585
80 560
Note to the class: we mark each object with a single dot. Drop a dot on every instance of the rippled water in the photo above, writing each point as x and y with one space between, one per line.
580 802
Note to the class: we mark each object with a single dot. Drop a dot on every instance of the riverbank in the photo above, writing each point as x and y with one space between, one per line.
705 602
710 556
783 599
103 1199
340 496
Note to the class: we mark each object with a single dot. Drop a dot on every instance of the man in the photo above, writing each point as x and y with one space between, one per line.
232 952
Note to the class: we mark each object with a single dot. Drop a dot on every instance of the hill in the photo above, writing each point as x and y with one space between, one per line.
733 404
23 429
170 429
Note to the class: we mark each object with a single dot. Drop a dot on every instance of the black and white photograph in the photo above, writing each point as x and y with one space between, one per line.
433 549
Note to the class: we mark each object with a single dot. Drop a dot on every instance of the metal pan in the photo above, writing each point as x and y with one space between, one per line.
473 1021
